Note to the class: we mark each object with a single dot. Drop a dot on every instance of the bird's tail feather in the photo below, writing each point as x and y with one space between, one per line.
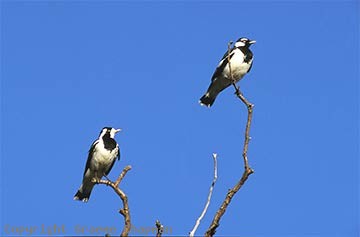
207 100
83 194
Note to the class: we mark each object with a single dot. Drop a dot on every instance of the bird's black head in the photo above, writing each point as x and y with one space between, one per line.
244 42
110 131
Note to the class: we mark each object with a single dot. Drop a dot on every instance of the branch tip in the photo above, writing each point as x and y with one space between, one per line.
197 223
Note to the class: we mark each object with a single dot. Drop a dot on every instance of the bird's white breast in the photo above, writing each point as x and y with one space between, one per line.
238 67
103 157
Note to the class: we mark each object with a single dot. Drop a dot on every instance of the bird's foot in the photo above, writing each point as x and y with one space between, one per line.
107 178
95 180
237 89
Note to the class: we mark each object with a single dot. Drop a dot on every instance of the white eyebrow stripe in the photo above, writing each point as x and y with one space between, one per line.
240 43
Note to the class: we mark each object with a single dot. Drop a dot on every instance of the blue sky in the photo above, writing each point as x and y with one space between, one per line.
70 68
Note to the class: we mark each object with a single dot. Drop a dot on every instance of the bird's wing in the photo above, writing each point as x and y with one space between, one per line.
91 151
249 59
113 162
222 64
249 67
118 154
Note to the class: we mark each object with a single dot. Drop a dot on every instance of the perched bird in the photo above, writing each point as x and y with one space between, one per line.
241 59
102 155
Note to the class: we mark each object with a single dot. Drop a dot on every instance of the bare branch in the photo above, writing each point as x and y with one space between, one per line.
125 211
192 233
122 175
247 171
160 228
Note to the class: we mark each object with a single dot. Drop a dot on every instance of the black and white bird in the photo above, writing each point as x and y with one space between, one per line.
241 59
102 155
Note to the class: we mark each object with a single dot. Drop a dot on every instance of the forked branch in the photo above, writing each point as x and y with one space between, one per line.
247 170
125 211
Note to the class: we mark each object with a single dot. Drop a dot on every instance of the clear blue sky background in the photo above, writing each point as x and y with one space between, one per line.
70 68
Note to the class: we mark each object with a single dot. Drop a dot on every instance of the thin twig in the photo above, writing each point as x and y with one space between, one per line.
192 233
122 175
247 171
159 227
248 124
125 211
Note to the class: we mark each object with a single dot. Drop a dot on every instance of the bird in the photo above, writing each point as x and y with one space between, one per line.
241 59
101 158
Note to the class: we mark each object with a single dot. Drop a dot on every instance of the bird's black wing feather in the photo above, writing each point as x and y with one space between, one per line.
248 56
91 151
249 68
118 154
221 67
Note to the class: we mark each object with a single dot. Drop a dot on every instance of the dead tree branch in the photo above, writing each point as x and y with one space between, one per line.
247 170
192 233
125 211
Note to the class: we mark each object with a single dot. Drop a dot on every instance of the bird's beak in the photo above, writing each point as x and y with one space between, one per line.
252 42
117 130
